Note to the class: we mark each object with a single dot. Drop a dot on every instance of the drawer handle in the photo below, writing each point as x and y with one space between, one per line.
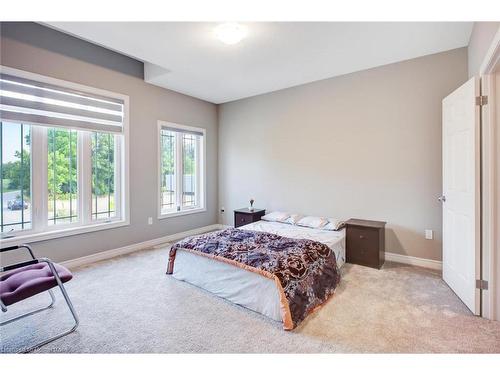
361 236
242 220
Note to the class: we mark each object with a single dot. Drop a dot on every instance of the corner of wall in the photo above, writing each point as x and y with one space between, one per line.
480 40
218 218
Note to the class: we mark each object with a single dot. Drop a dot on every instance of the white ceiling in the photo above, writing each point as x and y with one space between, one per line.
186 57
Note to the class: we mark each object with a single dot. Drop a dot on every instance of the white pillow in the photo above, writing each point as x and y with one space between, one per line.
293 219
312 222
276 216
334 224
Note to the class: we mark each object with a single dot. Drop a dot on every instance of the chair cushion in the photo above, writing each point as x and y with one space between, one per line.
27 281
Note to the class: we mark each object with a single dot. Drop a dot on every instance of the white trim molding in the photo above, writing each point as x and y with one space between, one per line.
108 254
414 261
62 232
491 181
492 55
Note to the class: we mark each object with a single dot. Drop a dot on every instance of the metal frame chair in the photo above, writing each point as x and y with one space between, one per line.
52 297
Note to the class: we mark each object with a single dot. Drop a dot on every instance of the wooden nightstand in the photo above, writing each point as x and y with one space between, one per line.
244 216
365 242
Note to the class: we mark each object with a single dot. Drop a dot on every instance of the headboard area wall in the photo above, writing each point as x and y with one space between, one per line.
364 145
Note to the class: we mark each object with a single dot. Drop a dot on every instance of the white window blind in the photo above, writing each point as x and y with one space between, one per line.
27 101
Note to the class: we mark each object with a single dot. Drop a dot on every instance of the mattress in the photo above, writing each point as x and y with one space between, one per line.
241 286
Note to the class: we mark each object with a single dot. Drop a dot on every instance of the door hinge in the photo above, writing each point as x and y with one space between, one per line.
481 100
482 284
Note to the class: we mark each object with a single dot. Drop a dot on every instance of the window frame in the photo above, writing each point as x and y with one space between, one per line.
201 185
39 176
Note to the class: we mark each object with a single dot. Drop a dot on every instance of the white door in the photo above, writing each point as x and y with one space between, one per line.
461 193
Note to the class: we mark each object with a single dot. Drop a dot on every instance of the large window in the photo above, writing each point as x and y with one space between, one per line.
15 182
62 153
181 175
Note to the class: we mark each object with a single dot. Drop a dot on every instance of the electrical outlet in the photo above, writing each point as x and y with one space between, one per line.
150 221
428 234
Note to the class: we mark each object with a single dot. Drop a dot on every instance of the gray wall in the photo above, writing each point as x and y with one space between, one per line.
364 145
40 50
480 40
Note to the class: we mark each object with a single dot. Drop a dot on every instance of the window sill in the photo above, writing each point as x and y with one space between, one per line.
181 213
21 238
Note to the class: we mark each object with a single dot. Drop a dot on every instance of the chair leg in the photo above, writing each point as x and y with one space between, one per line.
53 300
71 309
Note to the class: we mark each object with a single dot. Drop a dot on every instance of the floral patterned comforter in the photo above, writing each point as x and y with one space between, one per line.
305 271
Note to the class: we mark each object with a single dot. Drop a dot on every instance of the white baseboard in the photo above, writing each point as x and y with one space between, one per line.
108 254
414 261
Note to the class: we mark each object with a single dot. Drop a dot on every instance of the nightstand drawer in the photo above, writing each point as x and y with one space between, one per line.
244 216
363 237
242 219
364 245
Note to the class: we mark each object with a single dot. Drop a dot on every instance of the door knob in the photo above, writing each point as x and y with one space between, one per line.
442 199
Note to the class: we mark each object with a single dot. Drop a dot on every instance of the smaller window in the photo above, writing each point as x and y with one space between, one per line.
181 174
168 176
189 170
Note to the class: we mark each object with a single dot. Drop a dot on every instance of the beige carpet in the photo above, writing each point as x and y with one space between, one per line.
129 305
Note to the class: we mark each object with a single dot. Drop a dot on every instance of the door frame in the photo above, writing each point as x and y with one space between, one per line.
490 183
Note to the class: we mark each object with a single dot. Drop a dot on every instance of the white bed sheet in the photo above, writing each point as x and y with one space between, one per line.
243 287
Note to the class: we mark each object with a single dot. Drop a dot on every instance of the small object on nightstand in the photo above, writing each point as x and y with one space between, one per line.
244 216
251 204
365 242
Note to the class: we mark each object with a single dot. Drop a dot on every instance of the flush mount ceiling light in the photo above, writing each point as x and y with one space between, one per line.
230 32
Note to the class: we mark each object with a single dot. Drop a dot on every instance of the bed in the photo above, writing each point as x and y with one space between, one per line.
247 267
